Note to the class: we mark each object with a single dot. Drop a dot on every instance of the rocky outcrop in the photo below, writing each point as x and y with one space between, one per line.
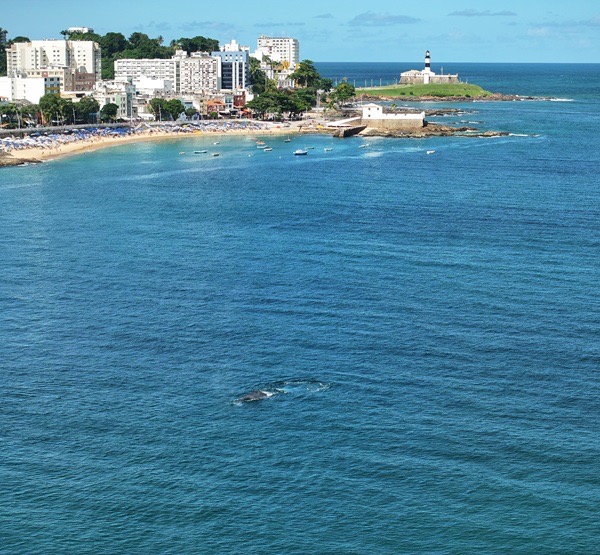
349 131
432 130
6 161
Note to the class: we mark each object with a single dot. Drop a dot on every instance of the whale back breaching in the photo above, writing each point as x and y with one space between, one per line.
293 387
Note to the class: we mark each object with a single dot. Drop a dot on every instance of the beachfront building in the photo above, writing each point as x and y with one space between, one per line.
82 57
375 117
278 57
234 61
30 89
156 69
120 93
425 76
34 67
285 51
198 73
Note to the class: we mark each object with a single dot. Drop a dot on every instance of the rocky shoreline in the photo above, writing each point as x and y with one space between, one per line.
494 97
8 161
432 130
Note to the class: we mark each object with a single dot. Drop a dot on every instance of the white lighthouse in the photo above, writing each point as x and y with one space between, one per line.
425 76
427 70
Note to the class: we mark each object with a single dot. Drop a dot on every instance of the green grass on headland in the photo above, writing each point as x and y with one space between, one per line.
432 89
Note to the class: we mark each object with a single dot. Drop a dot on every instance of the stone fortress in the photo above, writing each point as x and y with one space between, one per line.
426 76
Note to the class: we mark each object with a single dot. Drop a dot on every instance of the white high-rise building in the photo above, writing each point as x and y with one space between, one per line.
195 74
78 61
199 73
153 68
282 50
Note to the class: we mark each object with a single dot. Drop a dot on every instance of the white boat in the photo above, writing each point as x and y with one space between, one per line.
267 149
200 151
430 151
328 149
300 152
215 154
288 140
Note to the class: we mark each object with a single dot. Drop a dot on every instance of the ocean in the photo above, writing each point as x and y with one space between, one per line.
426 329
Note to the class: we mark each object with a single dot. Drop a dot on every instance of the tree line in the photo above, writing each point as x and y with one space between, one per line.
311 89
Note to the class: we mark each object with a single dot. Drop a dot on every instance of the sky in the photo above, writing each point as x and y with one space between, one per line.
542 31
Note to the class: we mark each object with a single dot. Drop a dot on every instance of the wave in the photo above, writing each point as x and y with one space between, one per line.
561 99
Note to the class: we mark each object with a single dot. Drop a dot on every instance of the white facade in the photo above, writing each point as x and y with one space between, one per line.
148 86
82 30
199 73
233 46
131 69
117 92
81 56
28 88
375 112
282 50
77 63
181 74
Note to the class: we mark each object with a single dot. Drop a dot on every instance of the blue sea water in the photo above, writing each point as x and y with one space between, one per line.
428 327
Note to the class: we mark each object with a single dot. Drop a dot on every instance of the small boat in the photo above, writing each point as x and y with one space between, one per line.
310 148
430 151
364 146
260 143
200 151
267 149
215 154
216 143
328 149
300 152
288 140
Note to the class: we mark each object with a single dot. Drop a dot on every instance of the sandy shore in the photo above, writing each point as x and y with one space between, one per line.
40 154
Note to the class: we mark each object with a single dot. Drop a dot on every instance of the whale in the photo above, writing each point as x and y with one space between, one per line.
255 395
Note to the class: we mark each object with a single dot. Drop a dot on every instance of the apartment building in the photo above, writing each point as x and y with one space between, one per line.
200 73
285 51
156 69
76 64
197 73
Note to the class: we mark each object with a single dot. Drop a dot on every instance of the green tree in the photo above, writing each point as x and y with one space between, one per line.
306 75
325 84
174 108
343 92
258 78
86 109
157 107
196 44
51 107
112 43
67 110
109 112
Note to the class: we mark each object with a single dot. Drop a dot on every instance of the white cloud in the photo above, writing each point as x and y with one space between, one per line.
372 19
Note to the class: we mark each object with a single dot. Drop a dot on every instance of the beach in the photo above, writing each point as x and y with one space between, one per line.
38 147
